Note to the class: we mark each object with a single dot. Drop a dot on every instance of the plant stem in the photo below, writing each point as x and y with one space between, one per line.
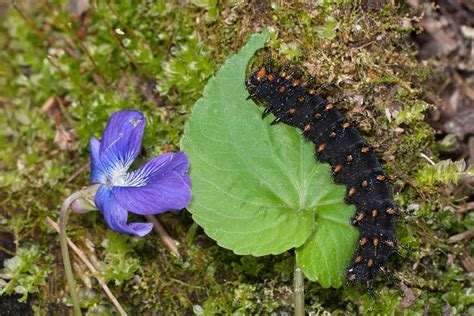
92 268
298 291
165 238
65 252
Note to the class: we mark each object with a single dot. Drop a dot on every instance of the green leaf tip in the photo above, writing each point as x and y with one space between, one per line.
237 64
257 189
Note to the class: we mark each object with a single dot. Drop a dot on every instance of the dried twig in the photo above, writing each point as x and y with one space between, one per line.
131 59
464 85
428 159
102 82
167 240
466 261
31 24
465 208
459 237
81 169
91 267
7 251
129 30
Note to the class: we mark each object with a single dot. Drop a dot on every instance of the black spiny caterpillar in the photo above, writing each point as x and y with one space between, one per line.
353 162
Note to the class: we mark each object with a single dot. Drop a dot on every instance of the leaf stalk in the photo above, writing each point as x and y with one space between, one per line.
298 291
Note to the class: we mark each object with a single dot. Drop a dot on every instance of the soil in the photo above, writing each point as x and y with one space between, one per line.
9 306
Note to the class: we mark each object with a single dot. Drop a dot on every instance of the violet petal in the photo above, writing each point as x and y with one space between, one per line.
157 167
122 138
116 217
97 171
164 185
180 164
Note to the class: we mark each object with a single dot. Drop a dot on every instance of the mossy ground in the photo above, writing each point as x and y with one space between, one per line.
156 57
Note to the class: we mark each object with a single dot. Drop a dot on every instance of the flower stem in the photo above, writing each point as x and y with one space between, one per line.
92 268
165 238
65 252
298 291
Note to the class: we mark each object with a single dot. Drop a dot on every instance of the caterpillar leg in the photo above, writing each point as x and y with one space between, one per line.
266 112
276 121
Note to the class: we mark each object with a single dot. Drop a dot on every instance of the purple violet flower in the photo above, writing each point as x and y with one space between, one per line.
160 185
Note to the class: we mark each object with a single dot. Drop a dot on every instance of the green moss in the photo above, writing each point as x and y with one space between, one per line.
120 261
24 273
155 56
445 171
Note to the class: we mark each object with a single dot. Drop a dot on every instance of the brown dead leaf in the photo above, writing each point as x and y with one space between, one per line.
409 298
48 106
372 75
447 310
467 262
78 7
465 208
64 139
461 124
436 28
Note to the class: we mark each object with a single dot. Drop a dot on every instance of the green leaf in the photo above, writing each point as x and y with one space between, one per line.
257 189
326 255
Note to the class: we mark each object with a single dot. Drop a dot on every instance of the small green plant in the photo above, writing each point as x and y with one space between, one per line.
118 264
24 273
328 30
411 114
445 171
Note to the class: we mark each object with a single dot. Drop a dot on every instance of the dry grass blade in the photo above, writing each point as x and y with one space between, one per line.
91 267
167 240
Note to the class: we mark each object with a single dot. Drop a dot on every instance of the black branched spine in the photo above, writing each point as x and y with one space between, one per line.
353 162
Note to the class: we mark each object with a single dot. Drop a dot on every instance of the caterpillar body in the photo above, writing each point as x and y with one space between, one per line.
353 162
